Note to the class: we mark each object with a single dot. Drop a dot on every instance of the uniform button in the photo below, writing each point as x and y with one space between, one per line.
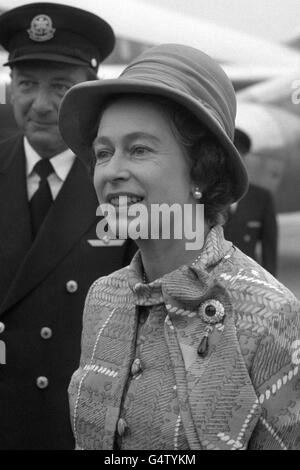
72 286
2 327
122 426
46 333
42 382
136 367
94 62
106 239
247 238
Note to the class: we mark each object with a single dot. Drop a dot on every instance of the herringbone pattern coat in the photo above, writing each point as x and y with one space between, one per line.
243 394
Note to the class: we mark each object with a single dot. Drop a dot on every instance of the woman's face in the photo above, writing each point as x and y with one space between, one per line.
138 156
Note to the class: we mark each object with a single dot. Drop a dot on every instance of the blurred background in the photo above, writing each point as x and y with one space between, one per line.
258 44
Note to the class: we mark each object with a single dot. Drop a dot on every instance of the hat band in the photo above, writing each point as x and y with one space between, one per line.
197 86
76 54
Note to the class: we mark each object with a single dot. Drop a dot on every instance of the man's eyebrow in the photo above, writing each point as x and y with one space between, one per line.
61 78
25 74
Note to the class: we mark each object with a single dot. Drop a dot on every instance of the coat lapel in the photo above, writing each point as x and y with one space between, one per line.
15 233
72 214
219 407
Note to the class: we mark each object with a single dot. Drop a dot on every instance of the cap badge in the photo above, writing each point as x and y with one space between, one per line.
41 28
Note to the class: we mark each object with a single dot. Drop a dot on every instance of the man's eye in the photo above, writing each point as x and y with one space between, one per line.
26 84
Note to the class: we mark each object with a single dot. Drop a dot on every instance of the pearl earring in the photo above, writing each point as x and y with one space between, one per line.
197 193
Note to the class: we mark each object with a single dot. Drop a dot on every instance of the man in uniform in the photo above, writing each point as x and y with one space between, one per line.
252 221
49 252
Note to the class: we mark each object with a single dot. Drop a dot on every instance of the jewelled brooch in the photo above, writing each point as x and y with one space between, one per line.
212 312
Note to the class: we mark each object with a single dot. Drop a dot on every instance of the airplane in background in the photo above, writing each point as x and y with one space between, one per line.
263 73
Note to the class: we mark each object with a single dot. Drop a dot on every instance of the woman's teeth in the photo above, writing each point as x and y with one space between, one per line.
124 200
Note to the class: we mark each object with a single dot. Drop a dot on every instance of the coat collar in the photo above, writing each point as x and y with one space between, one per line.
72 214
188 283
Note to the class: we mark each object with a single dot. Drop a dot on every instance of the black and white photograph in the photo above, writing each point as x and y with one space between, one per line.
150 227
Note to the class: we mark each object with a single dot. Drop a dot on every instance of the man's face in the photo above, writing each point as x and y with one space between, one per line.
36 93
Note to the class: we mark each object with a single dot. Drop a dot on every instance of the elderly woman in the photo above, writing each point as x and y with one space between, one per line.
182 349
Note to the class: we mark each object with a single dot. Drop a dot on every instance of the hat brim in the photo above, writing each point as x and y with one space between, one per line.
81 107
47 58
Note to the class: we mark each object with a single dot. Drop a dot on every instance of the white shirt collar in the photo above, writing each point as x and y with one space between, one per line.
62 162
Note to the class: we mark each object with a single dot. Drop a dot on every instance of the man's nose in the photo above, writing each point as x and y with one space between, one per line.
42 102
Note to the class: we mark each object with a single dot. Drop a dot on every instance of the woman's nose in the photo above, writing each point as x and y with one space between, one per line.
117 168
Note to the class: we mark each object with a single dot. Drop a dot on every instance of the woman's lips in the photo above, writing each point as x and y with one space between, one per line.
124 201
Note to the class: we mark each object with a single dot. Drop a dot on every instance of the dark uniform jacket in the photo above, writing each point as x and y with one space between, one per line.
43 285
8 124
253 221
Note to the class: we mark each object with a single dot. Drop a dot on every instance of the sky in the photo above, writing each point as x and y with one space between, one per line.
276 20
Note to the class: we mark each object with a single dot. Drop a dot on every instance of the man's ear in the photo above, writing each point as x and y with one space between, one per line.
12 87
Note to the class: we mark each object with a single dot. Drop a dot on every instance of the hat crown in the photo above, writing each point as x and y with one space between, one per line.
193 73
57 33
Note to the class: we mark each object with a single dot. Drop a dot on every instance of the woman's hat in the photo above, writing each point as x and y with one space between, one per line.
242 141
180 73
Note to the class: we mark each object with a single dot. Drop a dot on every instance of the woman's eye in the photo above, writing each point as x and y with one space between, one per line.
103 155
140 150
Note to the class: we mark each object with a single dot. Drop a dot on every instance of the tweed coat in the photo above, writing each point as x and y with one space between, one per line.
43 285
243 394
253 222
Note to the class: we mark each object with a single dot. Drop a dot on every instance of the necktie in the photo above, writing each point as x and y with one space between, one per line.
42 198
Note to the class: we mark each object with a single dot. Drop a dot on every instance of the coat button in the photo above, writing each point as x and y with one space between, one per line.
71 286
42 382
122 426
136 367
247 238
46 333
2 327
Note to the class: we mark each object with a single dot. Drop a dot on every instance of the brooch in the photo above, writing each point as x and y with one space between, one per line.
211 312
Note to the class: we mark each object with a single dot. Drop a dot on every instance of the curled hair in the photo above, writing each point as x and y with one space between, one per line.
209 163
209 168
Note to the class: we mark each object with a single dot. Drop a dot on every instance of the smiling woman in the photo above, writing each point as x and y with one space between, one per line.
182 349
